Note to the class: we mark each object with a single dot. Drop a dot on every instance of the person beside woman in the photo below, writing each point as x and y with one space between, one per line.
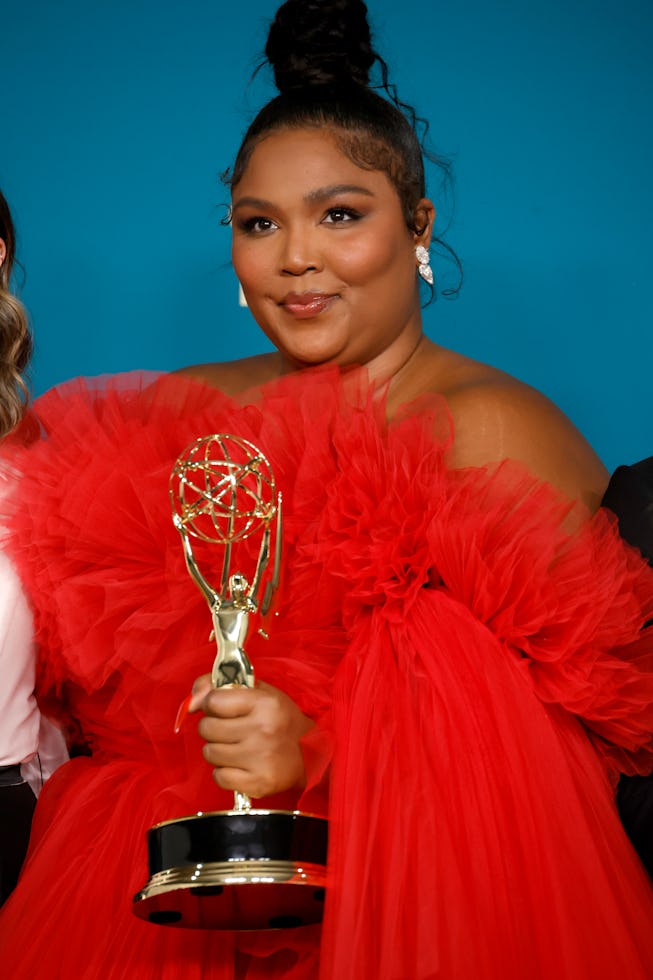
29 747
459 666
629 496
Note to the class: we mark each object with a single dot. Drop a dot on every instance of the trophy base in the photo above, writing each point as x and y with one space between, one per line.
251 895
236 870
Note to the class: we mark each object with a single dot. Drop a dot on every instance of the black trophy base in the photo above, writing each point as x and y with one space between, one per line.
236 870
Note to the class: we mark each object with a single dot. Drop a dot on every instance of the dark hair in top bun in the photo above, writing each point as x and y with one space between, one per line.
322 55
317 43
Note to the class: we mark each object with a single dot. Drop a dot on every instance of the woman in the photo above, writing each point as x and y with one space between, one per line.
457 669
29 747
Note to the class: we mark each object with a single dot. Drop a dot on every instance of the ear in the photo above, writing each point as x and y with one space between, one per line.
3 251
424 220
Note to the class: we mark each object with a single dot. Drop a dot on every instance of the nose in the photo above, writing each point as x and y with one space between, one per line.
300 253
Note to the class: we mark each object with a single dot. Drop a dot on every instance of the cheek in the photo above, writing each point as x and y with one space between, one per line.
248 263
371 259
251 267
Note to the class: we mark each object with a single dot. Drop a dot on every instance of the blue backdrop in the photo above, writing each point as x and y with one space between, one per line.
118 117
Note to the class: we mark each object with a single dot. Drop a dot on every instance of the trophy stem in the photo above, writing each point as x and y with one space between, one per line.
242 802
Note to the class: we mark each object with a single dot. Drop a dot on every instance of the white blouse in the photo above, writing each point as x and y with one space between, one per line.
25 736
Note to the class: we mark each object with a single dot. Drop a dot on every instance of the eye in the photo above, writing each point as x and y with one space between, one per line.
339 216
257 225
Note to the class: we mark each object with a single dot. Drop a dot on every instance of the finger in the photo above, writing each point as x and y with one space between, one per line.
229 702
225 731
201 687
238 780
223 756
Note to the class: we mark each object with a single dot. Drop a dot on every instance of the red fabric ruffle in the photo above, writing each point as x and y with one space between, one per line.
472 651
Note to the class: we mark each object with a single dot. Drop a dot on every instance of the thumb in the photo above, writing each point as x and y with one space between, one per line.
201 688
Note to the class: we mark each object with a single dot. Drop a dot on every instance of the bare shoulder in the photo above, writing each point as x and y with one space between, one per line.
497 417
233 377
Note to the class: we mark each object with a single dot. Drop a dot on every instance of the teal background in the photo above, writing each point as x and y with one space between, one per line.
117 119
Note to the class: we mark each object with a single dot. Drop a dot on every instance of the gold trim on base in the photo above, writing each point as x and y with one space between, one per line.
234 895
252 812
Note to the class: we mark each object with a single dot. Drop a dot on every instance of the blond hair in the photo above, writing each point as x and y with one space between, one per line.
15 335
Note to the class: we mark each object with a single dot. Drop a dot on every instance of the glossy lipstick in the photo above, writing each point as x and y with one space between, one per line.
305 305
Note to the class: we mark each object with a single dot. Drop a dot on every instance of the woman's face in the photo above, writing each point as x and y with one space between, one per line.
324 256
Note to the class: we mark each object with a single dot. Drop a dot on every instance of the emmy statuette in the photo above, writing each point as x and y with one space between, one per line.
244 868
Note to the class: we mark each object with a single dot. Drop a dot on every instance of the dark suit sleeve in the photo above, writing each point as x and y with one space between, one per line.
630 497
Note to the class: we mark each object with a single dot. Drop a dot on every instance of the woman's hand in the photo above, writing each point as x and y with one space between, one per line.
252 737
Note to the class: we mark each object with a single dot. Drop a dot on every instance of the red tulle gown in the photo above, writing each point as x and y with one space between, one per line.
478 673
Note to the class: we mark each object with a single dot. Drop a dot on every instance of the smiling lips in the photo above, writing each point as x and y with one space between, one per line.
305 305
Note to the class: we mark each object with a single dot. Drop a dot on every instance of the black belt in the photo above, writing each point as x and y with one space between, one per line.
10 776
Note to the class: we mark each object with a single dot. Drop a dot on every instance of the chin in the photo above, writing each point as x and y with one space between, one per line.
314 355
299 362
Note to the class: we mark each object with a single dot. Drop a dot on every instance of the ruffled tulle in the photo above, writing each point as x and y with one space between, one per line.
473 654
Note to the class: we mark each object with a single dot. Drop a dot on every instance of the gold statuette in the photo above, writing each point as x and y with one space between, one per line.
243 868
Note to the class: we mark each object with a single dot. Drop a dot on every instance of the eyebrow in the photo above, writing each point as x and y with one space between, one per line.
323 193
313 197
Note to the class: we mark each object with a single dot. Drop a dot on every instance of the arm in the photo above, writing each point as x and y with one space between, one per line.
19 714
30 746
19 726
516 422
501 420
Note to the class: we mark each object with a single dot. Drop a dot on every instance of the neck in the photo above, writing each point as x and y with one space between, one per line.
393 366
385 368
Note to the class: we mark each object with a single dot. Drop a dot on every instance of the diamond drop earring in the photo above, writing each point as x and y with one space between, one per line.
423 258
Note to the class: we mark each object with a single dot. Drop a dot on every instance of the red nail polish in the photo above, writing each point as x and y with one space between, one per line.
182 711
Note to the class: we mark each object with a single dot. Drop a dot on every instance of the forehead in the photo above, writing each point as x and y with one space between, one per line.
297 161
